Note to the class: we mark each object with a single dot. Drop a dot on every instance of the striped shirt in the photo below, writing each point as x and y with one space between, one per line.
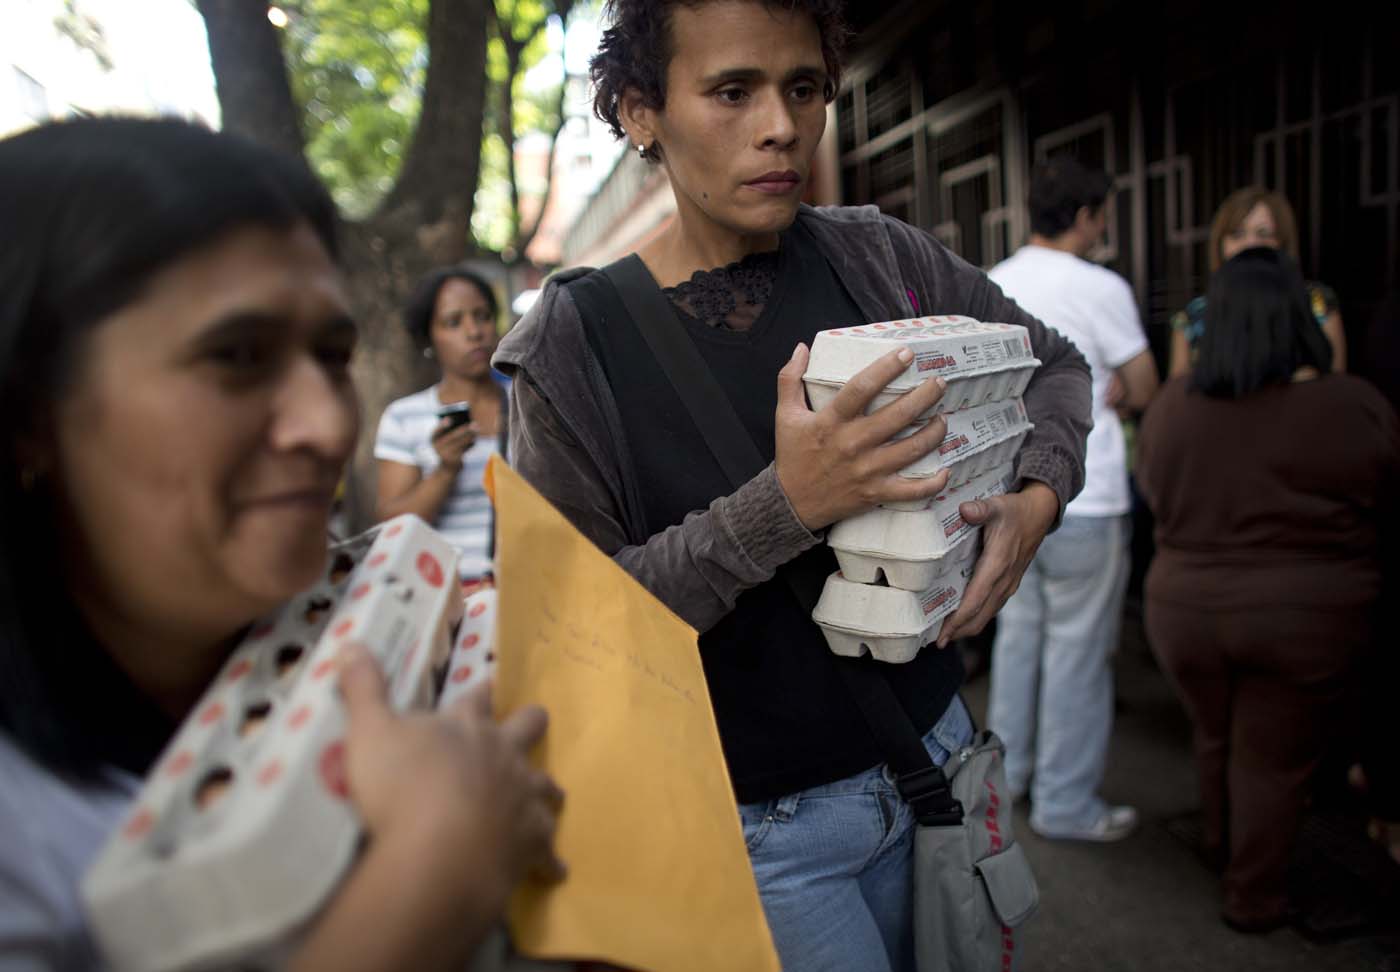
405 434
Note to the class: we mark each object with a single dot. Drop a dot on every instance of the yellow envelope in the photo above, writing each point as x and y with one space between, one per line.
659 880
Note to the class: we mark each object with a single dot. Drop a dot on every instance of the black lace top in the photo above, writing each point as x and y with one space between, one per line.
731 297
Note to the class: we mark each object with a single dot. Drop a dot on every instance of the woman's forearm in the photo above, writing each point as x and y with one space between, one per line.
1179 361
424 498
1337 337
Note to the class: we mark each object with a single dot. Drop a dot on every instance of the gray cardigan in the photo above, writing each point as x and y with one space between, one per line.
566 435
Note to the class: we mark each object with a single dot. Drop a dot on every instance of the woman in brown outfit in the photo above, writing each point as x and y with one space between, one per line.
1271 480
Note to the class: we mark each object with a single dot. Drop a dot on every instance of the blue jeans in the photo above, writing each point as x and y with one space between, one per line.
835 865
1052 688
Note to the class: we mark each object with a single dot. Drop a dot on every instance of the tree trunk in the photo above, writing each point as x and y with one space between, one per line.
424 222
383 260
437 183
255 95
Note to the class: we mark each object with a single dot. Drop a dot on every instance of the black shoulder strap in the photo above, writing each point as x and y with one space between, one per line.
921 783
687 371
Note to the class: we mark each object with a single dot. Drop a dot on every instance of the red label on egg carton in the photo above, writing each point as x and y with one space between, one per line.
972 428
935 599
935 361
953 443
945 597
972 351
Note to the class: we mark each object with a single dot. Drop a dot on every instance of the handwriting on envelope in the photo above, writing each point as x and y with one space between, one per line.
658 877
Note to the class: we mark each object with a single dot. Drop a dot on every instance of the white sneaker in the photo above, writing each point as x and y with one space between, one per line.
1114 823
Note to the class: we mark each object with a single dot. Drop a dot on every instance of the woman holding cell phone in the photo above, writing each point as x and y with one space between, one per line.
433 446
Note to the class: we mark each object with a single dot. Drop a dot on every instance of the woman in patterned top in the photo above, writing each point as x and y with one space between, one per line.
1249 217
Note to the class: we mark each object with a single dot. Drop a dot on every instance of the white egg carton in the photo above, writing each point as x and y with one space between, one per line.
474 649
911 550
981 362
978 440
890 623
244 827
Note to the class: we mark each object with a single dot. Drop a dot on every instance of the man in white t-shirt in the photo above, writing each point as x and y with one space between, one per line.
1052 688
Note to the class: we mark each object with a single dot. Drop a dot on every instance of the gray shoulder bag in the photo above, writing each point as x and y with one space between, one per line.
972 883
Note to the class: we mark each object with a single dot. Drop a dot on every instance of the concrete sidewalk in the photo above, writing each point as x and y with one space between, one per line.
1148 904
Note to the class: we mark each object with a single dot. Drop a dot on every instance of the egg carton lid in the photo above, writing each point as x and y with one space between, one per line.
950 348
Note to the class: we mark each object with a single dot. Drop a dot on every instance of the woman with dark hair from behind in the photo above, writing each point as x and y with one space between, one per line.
1253 217
177 409
1272 481
428 463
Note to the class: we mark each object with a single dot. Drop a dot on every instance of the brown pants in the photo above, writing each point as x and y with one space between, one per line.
1262 688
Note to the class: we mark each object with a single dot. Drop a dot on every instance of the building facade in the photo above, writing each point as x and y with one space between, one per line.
66 58
946 107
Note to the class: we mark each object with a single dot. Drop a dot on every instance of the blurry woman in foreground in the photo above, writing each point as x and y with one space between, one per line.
1273 484
177 408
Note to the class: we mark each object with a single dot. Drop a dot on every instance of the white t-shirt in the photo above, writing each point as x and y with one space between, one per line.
1094 308
405 436
51 829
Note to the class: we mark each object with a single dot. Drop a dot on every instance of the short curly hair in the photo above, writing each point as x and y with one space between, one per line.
635 52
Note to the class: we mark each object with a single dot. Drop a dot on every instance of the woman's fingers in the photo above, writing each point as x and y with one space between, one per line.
543 823
524 728
474 705
543 785
853 398
362 686
904 489
885 423
549 868
896 454
791 396
461 437
1013 526
995 570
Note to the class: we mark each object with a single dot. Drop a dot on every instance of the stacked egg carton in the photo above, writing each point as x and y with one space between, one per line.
473 650
905 566
244 827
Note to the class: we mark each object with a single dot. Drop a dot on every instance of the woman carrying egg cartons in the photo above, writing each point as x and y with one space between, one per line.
174 342
905 565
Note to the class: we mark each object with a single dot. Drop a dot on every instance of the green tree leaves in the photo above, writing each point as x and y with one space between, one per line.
357 70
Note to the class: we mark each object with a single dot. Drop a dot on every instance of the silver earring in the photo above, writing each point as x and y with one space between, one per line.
428 353
641 151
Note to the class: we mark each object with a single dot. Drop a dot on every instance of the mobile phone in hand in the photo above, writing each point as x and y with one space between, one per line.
457 415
